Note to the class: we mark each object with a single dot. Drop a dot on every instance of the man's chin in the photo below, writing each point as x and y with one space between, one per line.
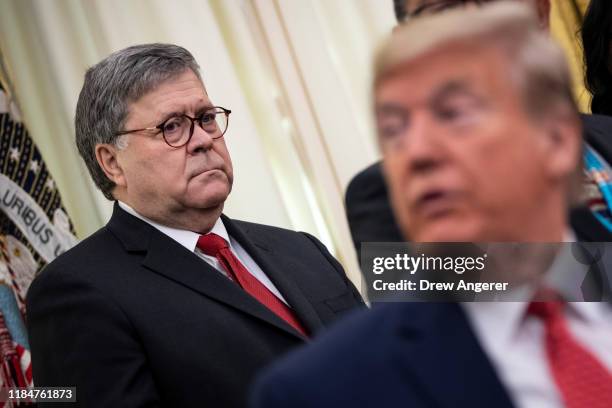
210 195
210 201
451 231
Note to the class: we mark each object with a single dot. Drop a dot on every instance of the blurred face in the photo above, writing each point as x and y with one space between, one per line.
163 182
462 159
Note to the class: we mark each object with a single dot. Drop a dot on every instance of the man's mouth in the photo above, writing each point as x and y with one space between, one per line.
207 171
435 203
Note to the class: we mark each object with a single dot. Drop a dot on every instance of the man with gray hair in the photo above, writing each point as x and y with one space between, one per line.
172 303
481 140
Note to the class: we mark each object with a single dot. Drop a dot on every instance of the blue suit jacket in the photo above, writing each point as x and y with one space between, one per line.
396 355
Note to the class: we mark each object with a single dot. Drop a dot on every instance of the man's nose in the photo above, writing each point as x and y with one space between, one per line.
423 147
200 139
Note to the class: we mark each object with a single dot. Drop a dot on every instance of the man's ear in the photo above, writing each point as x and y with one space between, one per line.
563 147
106 154
543 8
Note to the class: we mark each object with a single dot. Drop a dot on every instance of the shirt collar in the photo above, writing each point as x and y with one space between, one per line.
566 276
186 238
505 317
489 314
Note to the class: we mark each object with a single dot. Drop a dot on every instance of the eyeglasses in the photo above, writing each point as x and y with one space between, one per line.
178 130
438 6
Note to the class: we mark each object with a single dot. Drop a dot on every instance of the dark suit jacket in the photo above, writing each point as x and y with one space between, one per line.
371 220
133 319
598 133
413 355
368 210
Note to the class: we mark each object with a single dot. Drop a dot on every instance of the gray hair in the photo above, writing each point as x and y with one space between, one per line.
110 86
535 62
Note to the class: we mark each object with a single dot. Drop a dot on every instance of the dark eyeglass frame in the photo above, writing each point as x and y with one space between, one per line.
441 6
160 127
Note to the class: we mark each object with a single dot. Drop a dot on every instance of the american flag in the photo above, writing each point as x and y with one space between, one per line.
16 370
29 201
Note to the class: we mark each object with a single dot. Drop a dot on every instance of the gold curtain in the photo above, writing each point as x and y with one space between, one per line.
566 18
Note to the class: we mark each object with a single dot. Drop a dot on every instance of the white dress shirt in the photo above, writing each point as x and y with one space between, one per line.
514 342
189 239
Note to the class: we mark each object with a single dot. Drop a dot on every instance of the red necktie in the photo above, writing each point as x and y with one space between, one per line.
581 378
214 245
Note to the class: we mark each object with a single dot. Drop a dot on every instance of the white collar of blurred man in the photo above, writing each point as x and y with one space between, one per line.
480 136
409 9
184 187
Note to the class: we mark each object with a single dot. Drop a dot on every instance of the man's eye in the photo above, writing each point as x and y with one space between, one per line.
391 126
457 115
172 125
449 113
207 118
389 132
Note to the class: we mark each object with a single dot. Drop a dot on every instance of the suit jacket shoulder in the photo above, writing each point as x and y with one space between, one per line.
336 364
398 354
368 210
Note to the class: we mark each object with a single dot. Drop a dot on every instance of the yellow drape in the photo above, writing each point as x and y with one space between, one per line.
566 16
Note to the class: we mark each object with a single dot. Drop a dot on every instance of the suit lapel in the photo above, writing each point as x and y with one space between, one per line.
441 352
279 269
168 258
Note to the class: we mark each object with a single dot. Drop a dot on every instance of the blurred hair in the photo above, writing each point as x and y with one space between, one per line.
399 6
110 86
596 29
401 11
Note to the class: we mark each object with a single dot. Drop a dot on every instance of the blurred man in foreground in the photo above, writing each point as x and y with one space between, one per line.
481 141
172 303
367 204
